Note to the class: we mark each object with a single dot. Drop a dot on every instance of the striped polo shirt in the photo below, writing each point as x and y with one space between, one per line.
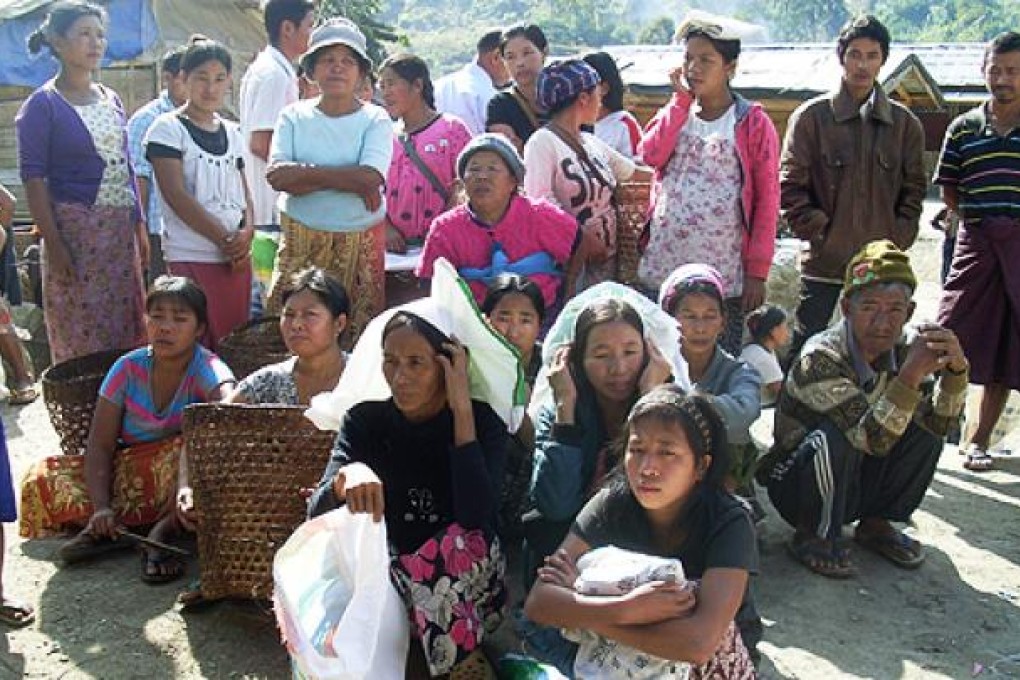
983 165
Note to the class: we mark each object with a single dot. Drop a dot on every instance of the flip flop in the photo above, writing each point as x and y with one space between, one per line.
814 554
85 547
160 567
16 614
897 547
978 460
22 395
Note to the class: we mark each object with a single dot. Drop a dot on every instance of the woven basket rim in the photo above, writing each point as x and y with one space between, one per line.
53 375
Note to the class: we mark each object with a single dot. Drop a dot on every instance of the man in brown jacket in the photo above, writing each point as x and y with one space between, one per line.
852 172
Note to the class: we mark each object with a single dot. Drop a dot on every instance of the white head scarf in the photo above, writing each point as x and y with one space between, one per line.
660 329
495 372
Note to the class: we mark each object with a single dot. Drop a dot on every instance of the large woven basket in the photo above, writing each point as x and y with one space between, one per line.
70 390
632 208
247 465
256 344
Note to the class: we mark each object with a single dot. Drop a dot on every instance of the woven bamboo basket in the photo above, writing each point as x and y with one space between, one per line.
256 344
70 390
247 465
632 209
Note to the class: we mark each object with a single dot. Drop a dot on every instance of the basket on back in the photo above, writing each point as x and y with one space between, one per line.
632 200
247 465
256 344
70 390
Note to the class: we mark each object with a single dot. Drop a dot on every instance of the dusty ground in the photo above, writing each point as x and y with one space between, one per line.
957 617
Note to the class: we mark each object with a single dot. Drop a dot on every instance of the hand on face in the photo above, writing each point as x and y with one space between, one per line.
561 376
656 372
455 371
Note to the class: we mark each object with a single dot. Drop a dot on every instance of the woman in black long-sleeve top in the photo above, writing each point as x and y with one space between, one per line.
430 460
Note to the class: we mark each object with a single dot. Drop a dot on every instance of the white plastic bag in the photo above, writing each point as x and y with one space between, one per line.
340 616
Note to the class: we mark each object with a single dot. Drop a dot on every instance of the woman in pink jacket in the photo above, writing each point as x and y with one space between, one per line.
716 193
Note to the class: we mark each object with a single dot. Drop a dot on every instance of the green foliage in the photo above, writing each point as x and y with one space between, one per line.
365 14
799 20
659 32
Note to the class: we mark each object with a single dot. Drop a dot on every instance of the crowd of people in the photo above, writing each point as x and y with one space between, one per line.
640 398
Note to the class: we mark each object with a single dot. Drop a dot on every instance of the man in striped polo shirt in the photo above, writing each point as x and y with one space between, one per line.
979 173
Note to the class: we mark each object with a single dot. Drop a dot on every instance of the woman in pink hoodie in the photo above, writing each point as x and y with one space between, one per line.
716 193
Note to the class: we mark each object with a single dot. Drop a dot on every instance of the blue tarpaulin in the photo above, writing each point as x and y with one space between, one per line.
131 30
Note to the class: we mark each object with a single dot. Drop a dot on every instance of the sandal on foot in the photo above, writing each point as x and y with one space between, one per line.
978 460
85 547
816 555
22 395
896 546
160 567
16 614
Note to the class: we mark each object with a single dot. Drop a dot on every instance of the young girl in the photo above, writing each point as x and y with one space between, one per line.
515 112
616 126
422 178
330 157
129 473
514 306
73 159
576 170
769 331
667 501
197 159
693 295
716 193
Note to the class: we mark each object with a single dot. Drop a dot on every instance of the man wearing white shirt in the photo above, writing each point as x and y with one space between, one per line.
466 93
270 84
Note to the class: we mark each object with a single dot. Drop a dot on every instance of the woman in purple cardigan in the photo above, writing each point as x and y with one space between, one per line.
73 159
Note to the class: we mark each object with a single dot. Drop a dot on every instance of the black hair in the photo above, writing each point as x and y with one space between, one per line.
201 50
329 290
278 11
59 20
596 313
180 289
863 26
404 319
604 63
489 41
763 320
171 62
513 284
729 49
1001 44
530 32
411 68
695 287
669 404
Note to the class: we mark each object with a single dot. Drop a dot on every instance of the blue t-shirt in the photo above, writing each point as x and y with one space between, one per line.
304 134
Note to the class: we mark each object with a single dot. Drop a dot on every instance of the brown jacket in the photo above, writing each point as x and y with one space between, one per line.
845 181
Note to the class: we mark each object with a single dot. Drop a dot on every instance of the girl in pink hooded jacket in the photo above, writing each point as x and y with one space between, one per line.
716 194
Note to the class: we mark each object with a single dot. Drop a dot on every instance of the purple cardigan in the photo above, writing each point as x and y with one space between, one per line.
55 145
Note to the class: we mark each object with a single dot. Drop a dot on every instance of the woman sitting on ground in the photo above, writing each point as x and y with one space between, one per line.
499 230
134 443
666 500
434 460
315 307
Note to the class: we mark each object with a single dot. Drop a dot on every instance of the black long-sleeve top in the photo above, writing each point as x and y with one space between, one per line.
428 482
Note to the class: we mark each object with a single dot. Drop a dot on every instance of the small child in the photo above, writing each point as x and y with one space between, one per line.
13 613
769 331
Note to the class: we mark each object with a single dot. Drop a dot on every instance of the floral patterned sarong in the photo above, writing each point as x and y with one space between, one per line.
454 589
54 494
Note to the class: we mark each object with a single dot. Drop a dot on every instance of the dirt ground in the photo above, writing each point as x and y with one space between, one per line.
957 617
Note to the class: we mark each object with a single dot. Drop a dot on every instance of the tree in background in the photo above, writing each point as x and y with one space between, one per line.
799 20
948 20
659 32
365 14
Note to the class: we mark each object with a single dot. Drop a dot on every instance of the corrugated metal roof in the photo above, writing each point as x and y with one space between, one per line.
805 69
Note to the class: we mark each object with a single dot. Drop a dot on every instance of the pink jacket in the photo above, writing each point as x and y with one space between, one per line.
758 149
